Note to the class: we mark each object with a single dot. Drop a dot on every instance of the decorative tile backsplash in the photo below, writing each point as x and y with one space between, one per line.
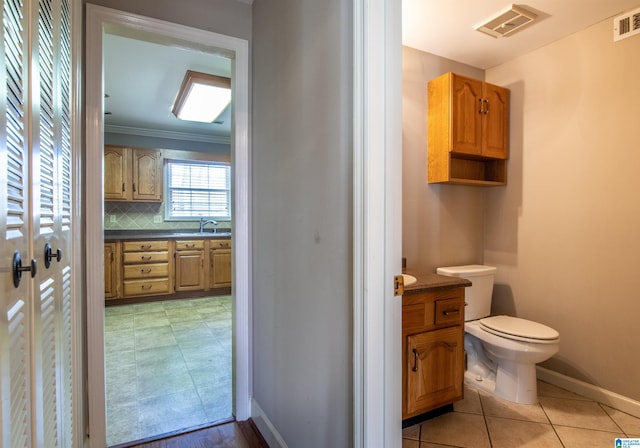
144 216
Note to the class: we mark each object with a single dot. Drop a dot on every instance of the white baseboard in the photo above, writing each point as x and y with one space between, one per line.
587 390
266 428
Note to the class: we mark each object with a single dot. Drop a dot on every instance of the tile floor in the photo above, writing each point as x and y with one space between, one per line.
168 366
561 420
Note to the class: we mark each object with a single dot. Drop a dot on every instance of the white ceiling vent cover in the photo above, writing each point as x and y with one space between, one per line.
508 22
626 25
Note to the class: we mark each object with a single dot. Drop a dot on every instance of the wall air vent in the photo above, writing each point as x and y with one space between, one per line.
626 25
507 22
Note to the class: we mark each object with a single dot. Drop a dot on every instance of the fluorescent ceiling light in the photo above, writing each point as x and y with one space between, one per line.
202 97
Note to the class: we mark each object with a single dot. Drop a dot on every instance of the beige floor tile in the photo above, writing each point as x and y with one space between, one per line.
585 438
507 433
408 443
412 432
577 413
446 429
497 407
549 390
629 424
470 403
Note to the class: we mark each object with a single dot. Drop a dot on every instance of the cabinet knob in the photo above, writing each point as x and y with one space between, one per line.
415 360
18 269
48 255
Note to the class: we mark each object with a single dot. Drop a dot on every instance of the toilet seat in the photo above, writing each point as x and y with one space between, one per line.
519 329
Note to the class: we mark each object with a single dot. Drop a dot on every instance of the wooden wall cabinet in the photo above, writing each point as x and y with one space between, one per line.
146 268
432 350
132 174
468 131
219 263
189 265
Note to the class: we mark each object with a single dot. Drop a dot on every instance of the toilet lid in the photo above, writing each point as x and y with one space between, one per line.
519 329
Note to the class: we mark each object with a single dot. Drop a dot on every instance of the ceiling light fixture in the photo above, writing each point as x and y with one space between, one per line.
202 97
508 22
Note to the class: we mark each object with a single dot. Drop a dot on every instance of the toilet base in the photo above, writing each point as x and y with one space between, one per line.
511 381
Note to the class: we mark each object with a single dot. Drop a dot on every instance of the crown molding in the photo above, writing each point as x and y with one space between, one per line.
185 136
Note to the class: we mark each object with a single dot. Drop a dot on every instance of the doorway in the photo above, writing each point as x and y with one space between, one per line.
99 22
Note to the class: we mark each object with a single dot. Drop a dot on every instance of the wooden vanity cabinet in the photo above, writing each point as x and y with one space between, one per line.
468 131
219 263
111 270
189 265
132 174
146 268
432 350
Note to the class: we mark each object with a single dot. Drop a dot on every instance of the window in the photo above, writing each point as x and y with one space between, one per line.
197 190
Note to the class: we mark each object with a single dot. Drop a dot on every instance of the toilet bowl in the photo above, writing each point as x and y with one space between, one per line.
501 351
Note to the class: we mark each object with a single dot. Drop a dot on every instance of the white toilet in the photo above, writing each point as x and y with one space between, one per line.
502 351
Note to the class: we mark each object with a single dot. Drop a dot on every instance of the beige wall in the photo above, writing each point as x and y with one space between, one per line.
442 225
565 232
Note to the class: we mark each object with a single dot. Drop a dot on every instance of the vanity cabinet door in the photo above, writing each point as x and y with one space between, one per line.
111 266
434 366
220 263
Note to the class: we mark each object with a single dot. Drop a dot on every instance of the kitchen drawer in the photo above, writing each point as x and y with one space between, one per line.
150 270
146 287
144 257
449 311
219 244
189 244
136 246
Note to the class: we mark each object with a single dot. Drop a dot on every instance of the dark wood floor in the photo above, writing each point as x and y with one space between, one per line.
228 435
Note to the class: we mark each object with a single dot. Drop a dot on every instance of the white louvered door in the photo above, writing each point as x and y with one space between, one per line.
37 339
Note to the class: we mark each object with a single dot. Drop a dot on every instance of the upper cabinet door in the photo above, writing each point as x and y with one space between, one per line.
147 175
466 115
117 173
495 127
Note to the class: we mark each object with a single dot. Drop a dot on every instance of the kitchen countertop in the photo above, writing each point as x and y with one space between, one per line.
141 235
433 282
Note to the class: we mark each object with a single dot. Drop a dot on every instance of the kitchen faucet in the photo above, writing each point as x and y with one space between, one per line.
204 222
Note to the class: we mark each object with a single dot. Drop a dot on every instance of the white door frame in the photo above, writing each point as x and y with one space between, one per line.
377 218
98 20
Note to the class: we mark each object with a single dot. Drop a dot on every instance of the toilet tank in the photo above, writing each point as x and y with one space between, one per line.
478 295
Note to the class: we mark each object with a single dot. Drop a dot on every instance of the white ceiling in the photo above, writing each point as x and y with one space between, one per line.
142 80
446 27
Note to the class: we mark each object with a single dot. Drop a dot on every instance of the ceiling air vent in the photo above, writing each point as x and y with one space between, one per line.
626 25
508 22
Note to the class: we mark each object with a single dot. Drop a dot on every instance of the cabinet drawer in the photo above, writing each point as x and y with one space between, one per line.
220 244
449 311
137 246
145 257
146 287
189 244
151 270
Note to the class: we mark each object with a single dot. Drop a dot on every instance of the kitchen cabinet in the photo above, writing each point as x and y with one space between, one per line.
132 174
189 265
219 263
468 131
432 350
146 268
41 349
111 270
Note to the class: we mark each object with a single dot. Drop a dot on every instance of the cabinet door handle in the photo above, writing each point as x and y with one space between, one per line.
123 187
133 186
451 312
415 360
486 107
481 110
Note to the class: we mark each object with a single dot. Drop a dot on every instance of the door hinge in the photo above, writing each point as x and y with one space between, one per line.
398 285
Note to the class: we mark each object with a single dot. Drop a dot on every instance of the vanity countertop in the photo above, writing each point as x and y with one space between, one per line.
142 235
427 282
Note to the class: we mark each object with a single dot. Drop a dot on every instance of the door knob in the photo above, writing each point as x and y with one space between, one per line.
48 255
18 269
